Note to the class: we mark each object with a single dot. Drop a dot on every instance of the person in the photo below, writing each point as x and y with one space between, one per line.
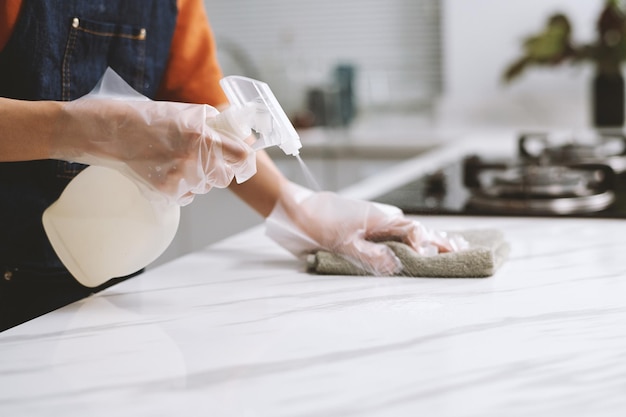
53 53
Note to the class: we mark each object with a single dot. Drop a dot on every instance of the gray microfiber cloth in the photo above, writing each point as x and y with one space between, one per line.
487 251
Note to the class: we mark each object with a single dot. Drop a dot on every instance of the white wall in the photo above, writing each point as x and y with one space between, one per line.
481 37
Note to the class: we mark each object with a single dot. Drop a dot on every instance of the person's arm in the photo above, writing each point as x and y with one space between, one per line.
164 146
26 128
261 192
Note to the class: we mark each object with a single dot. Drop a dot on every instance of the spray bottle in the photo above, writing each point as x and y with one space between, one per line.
102 226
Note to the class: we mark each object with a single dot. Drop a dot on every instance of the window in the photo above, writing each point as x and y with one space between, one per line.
294 45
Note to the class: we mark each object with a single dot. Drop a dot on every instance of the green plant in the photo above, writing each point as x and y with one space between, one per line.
554 45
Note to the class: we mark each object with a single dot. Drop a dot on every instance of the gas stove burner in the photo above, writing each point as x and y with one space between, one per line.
530 188
539 181
604 147
552 175
537 205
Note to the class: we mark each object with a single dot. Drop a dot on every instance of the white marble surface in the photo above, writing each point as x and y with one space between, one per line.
238 329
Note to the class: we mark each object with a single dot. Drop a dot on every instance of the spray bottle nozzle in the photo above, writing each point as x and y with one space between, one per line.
255 107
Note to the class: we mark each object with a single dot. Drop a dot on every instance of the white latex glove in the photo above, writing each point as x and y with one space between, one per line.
165 147
304 221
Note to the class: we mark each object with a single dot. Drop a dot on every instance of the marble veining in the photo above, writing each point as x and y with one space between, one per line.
239 329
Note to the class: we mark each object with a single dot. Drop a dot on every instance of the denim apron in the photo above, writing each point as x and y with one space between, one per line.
58 51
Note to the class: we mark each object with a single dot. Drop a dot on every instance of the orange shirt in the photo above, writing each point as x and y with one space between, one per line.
192 73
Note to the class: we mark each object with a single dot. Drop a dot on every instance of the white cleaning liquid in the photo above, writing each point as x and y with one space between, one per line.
103 227
308 175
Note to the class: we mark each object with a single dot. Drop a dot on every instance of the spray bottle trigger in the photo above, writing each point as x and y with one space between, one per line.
269 120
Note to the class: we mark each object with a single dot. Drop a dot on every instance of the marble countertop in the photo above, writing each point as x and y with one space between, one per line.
239 329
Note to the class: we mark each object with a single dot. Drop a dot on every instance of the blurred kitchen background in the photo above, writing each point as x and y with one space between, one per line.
371 83
408 55
394 48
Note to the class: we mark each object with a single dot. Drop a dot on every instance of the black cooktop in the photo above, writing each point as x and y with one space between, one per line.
446 192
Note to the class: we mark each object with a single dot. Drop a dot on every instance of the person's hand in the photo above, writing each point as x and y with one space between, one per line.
164 146
304 221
